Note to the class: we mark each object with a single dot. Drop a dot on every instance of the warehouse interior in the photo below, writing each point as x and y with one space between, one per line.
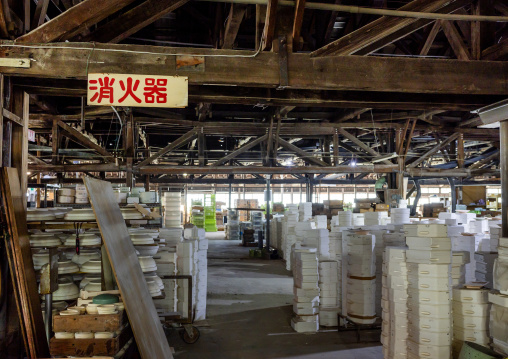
254 179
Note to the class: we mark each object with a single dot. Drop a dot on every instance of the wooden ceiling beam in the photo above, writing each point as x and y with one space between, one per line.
380 29
350 115
496 52
182 140
40 13
430 38
77 19
236 15
133 20
456 41
269 29
239 151
297 23
307 157
434 150
326 73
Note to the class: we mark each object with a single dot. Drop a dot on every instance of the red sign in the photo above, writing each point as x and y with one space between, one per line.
137 90
31 136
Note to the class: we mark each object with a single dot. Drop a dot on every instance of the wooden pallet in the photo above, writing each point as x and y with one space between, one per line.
90 347
89 323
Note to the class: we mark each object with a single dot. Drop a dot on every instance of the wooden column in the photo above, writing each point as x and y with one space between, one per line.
20 108
460 150
129 149
147 155
503 164
55 142
335 148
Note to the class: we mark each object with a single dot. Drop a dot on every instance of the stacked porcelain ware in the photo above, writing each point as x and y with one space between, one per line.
66 195
233 225
470 317
485 267
321 221
289 232
466 219
256 218
335 237
301 229
394 303
374 218
358 247
429 288
495 235
200 272
186 263
459 261
305 209
166 266
400 215
306 290
318 238
345 218
466 242
172 209
328 284
358 219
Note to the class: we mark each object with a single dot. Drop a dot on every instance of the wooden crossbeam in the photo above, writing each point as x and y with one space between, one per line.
180 141
379 29
307 157
269 29
78 137
360 144
40 13
326 73
430 38
133 20
485 160
496 52
434 150
455 39
297 22
36 160
350 115
236 15
239 151
74 21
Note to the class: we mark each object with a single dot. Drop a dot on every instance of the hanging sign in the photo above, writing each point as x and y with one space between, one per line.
31 135
137 90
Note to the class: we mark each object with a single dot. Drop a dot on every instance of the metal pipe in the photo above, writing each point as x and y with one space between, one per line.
49 315
370 11
503 134
268 199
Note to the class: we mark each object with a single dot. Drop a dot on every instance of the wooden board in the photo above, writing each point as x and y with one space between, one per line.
23 268
89 323
148 331
90 347
472 194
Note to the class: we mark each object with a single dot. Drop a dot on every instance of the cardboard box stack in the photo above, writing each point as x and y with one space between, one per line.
470 317
328 283
172 212
306 290
429 288
466 242
459 261
394 303
361 277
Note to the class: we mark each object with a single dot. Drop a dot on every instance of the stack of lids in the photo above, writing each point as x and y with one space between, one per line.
45 240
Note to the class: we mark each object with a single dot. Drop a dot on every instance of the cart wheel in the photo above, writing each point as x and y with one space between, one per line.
186 338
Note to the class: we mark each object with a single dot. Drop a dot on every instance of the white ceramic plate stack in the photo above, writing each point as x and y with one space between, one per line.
328 283
305 211
429 303
172 209
394 303
459 261
306 291
94 285
40 258
147 250
65 195
155 278
470 317
148 197
500 275
318 238
374 218
106 309
172 236
485 267
67 290
41 240
400 215
153 288
67 267
81 194
131 213
39 214
345 218
85 255
92 266
80 214
85 239
147 264
88 278
358 219
141 239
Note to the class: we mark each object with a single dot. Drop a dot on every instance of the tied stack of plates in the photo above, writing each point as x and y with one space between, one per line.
498 326
345 218
131 213
81 194
485 266
67 290
400 215
39 240
141 239
40 214
66 195
459 261
429 291
40 258
328 282
147 264
155 278
85 255
81 214
107 309
305 211
67 267
92 266
374 218
85 239
500 274
172 209
153 288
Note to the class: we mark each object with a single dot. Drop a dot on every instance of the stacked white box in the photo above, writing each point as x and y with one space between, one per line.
495 235
468 243
345 218
400 215
318 238
361 277
328 283
81 196
305 211
358 219
374 218
335 237
186 265
429 291
459 261
498 322
321 221
172 209
470 317
306 290
480 225
485 267
394 303
233 225
200 271
289 232
166 265
465 219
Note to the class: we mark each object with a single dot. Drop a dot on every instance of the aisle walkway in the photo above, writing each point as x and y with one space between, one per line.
249 313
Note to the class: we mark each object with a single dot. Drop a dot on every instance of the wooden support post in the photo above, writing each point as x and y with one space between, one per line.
335 149
201 147
55 142
20 138
129 150
326 151
503 134
276 139
1 113
147 177
269 144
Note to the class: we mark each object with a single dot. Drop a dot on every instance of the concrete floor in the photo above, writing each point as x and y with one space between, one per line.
249 312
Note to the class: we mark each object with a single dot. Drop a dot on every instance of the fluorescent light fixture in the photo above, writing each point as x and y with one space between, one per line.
493 113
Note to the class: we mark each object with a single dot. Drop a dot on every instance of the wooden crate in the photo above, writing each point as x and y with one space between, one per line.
90 347
89 323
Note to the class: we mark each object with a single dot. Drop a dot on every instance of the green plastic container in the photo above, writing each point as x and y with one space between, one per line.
475 351
105 299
